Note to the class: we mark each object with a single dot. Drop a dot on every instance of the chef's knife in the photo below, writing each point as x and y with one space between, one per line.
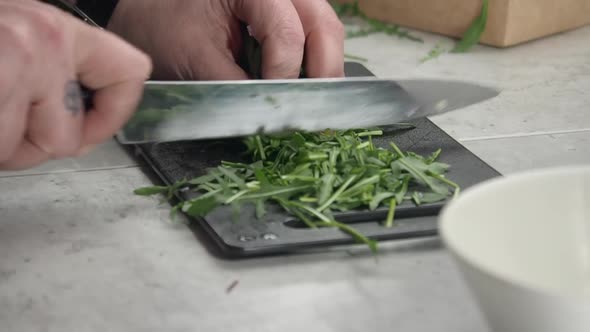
171 111
189 110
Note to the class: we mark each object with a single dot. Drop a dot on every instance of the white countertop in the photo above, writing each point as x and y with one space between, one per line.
79 252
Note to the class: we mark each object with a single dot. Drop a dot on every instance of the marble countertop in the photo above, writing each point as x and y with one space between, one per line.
81 253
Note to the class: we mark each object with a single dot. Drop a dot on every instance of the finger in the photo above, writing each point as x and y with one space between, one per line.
13 103
117 72
13 116
55 121
200 64
324 49
276 26
27 155
53 109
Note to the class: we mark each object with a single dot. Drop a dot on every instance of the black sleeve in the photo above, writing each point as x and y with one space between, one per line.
100 11
94 12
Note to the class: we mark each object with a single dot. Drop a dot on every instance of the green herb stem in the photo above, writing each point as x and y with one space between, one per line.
337 193
260 148
397 150
448 182
390 213
353 232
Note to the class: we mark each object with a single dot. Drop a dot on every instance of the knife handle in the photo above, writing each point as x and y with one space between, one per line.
250 59
87 97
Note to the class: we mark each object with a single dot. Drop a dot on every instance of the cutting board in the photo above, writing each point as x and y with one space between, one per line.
278 232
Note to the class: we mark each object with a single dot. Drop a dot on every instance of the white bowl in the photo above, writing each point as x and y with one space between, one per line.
522 243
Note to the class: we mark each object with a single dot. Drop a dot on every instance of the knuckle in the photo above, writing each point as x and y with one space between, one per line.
7 151
285 68
61 145
336 27
64 143
32 29
287 62
57 142
12 132
293 36
133 62
19 38
49 24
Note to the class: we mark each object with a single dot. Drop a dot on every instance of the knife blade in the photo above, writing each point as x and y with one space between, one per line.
169 111
189 110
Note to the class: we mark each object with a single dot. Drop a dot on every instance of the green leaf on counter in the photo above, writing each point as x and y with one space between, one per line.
434 53
474 32
352 9
150 191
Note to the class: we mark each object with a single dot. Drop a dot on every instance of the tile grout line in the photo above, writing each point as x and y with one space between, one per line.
69 171
462 140
523 135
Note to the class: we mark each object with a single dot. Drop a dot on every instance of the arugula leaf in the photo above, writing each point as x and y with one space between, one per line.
202 179
426 198
433 157
231 175
434 53
275 191
400 196
150 191
377 199
200 207
260 208
353 232
174 212
472 35
438 168
327 187
352 9
338 192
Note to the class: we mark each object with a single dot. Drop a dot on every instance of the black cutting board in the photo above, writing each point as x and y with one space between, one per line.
278 232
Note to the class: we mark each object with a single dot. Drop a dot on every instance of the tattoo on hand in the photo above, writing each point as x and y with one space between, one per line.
73 98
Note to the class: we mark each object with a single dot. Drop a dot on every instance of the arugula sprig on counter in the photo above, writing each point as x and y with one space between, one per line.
473 33
312 176
352 9
470 38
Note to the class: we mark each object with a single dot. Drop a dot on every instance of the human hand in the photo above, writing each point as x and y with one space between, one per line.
45 53
202 39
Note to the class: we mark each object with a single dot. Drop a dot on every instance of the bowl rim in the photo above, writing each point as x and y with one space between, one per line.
482 187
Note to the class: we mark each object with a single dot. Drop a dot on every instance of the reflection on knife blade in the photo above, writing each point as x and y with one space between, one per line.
182 111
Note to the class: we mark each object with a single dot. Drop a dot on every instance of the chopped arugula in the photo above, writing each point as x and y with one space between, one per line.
312 176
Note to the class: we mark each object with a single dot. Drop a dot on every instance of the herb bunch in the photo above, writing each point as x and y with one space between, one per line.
313 176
